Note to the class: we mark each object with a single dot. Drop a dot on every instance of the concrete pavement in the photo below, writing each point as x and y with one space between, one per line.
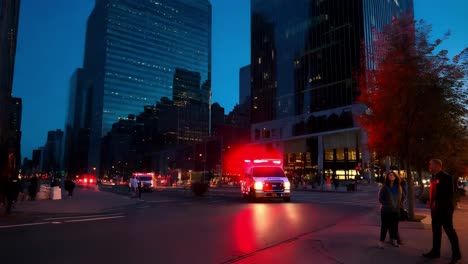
349 240
355 241
84 200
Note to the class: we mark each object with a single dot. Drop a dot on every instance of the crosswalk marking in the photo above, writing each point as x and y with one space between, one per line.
80 216
93 219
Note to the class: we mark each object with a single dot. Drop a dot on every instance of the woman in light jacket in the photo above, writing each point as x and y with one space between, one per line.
390 198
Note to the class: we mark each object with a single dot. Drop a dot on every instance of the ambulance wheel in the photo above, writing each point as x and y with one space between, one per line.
287 199
251 197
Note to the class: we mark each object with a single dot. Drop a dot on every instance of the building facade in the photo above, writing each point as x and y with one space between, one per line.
10 108
78 124
52 156
244 84
132 51
303 60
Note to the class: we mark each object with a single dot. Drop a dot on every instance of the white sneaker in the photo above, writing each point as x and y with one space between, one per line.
395 243
381 245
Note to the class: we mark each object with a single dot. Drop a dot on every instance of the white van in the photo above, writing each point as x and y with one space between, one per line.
265 178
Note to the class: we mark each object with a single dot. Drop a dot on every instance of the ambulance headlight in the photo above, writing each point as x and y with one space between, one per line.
258 186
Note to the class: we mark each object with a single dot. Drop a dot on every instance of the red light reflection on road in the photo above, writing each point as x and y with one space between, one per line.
244 231
261 223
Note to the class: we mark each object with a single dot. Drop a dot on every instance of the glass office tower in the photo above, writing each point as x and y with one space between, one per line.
10 107
133 48
304 55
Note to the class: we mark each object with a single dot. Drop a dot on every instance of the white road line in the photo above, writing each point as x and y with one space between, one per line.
93 219
161 201
80 216
143 207
31 224
185 203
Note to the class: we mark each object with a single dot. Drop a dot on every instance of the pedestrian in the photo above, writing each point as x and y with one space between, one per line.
12 191
134 186
3 190
69 186
140 188
328 182
336 182
16 189
24 188
441 193
32 189
390 197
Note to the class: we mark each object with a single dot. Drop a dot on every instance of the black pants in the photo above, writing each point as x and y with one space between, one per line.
444 218
389 223
139 192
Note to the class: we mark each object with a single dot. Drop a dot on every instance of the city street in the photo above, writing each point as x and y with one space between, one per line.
176 227
172 225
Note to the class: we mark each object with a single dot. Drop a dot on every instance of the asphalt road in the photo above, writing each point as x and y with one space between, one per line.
176 227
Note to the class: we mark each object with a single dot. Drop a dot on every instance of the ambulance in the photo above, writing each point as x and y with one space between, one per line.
264 178
145 180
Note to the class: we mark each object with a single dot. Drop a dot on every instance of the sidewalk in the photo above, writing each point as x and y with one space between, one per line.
84 200
355 241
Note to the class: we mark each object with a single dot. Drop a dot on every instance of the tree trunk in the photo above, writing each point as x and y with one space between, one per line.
411 196
420 181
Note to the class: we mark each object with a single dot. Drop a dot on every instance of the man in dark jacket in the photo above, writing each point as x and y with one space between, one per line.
32 189
13 189
441 204
69 186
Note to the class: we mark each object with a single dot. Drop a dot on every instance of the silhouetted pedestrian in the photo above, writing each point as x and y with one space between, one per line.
336 183
140 189
32 189
441 203
13 189
69 186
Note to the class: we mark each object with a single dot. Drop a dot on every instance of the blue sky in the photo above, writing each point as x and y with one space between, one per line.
51 45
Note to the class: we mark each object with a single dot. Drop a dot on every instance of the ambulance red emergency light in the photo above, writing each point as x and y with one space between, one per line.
86 179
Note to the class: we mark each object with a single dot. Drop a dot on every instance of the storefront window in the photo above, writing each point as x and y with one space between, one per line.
329 154
352 154
340 154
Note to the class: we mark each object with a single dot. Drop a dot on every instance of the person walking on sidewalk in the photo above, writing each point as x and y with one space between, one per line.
441 203
140 189
134 186
32 189
69 186
390 197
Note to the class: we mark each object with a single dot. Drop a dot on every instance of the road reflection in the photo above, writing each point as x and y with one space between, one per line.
257 224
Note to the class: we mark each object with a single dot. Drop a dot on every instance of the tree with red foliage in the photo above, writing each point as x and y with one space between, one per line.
415 98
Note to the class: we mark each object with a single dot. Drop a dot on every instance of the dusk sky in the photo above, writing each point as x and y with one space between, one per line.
51 45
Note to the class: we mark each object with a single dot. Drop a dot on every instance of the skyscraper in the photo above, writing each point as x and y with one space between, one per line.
132 51
53 150
303 56
10 108
244 84
78 124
